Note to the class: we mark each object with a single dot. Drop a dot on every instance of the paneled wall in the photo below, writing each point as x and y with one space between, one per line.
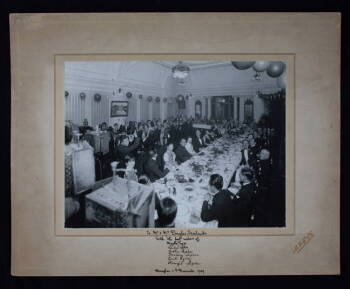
149 79
132 116
144 109
171 107
76 108
156 110
99 110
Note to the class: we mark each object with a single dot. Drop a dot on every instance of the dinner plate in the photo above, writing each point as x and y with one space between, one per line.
189 188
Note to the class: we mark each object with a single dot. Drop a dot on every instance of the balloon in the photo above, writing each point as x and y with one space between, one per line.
260 66
241 65
282 81
275 68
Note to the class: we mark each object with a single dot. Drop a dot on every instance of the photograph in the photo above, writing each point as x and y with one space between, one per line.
175 144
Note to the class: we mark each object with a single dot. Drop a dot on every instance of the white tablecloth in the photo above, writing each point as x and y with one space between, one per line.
221 157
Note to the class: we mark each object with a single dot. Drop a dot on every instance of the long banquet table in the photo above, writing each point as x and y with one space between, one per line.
188 183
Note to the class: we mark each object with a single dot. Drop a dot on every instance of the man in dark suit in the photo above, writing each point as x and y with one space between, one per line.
197 142
243 203
253 151
152 168
245 153
262 200
218 204
182 154
166 211
83 129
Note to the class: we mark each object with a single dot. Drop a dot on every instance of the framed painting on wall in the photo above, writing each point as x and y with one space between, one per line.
119 108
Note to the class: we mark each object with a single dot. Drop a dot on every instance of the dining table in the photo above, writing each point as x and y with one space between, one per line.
188 183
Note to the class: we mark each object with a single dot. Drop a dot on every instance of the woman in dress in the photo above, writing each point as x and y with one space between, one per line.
130 171
189 146
169 157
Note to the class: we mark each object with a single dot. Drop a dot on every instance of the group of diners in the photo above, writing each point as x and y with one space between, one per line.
153 147
146 151
246 201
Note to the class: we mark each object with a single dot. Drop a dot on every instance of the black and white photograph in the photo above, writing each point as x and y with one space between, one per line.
175 144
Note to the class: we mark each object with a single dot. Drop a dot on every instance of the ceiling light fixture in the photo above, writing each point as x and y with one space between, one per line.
180 70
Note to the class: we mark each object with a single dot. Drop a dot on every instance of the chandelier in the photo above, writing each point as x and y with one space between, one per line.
180 70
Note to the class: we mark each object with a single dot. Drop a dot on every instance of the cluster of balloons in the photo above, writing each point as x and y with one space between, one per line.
275 69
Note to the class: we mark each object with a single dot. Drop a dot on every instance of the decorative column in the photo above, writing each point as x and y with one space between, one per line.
150 110
163 108
233 108
138 109
241 109
209 107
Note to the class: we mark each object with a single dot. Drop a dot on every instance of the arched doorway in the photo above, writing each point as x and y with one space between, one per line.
248 111
198 109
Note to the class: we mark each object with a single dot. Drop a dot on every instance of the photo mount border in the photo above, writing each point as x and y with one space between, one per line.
59 60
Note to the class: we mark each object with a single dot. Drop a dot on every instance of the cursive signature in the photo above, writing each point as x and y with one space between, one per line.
303 242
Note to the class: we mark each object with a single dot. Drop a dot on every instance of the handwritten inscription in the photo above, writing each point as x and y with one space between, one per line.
181 257
303 242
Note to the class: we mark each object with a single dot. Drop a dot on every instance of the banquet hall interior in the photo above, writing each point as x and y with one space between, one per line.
174 144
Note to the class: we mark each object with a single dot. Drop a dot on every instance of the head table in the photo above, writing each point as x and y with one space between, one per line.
188 183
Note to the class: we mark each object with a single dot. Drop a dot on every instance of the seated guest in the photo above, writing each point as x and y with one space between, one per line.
143 179
245 153
197 142
166 210
104 126
132 139
68 161
169 157
164 136
161 147
125 148
257 138
211 135
207 138
85 122
147 138
156 133
83 129
152 168
130 172
182 154
253 152
116 128
263 169
189 146
216 131
122 129
130 128
250 137
113 141
218 203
